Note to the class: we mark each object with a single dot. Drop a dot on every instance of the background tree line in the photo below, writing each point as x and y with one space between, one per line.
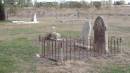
13 5
67 4
81 4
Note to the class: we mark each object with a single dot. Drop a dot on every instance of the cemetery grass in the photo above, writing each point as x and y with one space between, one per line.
17 55
17 52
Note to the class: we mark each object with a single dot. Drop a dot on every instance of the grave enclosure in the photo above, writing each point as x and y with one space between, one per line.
68 48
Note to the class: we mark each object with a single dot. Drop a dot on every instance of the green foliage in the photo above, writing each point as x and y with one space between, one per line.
68 4
119 2
85 4
20 3
47 4
73 4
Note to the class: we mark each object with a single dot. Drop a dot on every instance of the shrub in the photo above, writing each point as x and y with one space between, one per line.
119 2
97 4
71 4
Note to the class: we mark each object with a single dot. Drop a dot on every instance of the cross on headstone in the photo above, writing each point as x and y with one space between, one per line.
99 34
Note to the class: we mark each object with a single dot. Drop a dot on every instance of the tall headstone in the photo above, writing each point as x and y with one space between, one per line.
86 31
99 34
34 19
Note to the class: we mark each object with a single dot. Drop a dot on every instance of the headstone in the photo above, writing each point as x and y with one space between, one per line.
99 34
34 19
86 31
77 13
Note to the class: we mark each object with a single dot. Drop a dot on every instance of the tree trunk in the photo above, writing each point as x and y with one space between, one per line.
2 12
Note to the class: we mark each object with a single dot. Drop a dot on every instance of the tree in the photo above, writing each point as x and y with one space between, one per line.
2 11
21 3
97 4
119 2
71 4
85 4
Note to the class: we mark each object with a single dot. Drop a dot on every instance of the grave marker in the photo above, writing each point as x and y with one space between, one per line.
86 31
34 19
99 35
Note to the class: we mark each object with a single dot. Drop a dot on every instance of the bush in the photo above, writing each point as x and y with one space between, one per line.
47 4
85 4
97 4
119 2
71 4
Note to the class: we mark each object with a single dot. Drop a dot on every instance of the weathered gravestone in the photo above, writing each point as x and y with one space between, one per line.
99 35
86 31
77 13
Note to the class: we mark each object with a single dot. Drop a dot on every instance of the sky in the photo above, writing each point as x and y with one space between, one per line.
77 0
